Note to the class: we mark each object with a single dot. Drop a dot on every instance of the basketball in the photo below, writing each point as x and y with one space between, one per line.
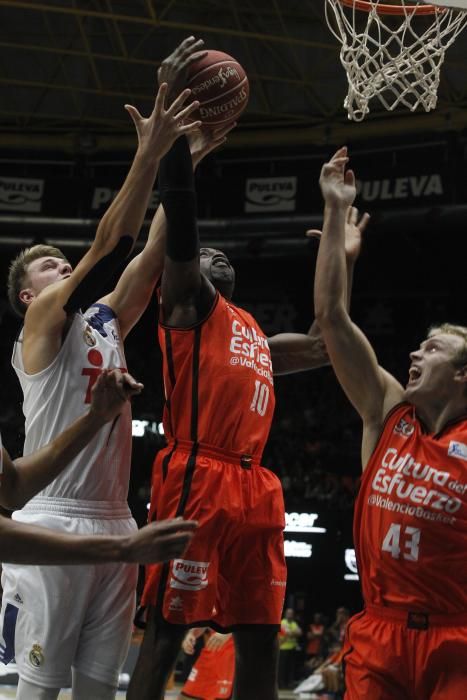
221 86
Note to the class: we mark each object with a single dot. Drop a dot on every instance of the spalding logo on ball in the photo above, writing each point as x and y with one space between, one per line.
220 85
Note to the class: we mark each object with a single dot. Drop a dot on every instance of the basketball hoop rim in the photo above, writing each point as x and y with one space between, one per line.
383 9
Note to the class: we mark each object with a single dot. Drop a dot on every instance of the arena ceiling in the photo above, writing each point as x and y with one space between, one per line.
68 66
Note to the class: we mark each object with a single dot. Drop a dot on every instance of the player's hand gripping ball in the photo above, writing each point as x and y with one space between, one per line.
220 85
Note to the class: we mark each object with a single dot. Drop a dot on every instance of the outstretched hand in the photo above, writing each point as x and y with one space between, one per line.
173 69
161 129
110 392
204 139
338 184
354 228
160 541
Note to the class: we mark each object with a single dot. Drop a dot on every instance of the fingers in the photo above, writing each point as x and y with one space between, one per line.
130 386
349 178
352 215
179 102
363 223
314 233
122 383
181 116
352 218
189 45
188 128
176 525
340 153
134 114
160 98
196 56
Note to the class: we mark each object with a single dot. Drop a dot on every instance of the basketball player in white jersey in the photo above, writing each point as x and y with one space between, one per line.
81 619
22 478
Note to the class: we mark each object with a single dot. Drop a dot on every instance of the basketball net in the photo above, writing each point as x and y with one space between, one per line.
392 51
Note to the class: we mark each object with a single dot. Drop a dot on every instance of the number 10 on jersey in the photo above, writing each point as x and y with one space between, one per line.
260 400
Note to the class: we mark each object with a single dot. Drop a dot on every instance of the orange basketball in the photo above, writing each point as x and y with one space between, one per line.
220 84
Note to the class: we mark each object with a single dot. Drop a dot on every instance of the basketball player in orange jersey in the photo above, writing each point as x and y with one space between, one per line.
82 619
410 528
22 478
211 677
218 376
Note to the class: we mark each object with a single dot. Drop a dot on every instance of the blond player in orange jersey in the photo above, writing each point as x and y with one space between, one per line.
410 527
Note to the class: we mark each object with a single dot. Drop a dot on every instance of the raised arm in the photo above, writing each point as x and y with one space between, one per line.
296 352
186 294
136 285
48 311
23 478
371 390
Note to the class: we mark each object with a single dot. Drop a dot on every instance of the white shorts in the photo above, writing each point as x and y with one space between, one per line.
57 617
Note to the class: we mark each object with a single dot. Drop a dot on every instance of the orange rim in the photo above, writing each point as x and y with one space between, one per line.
383 9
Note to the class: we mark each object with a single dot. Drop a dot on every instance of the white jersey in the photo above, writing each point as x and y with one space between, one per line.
56 396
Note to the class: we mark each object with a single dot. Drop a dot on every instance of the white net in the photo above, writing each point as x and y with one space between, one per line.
395 58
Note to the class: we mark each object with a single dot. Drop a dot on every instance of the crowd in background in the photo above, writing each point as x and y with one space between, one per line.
312 654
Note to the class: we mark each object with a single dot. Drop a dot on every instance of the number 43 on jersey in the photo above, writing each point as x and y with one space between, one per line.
403 542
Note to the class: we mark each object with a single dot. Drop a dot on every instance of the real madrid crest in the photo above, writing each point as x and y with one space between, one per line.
89 336
36 655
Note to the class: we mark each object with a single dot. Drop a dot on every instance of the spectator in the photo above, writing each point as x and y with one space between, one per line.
337 630
315 636
289 635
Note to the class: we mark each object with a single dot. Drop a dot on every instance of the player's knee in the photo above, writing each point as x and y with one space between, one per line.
30 691
87 688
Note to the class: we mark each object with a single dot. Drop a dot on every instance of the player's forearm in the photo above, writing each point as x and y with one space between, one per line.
25 544
179 201
125 216
331 270
154 250
32 473
350 266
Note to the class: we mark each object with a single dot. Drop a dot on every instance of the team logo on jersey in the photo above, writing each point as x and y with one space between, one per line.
457 449
18 599
89 337
176 604
36 655
189 575
404 428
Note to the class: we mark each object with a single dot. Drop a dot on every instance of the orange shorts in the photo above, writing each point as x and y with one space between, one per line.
391 654
211 678
233 571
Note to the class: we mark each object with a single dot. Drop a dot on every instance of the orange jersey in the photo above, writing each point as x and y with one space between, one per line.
410 527
218 381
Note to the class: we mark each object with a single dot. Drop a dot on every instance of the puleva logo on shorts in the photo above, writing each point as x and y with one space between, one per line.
457 449
189 575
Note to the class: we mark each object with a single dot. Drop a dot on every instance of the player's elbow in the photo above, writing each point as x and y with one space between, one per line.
328 313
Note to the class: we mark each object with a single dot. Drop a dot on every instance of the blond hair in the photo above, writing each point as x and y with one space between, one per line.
18 272
451 329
